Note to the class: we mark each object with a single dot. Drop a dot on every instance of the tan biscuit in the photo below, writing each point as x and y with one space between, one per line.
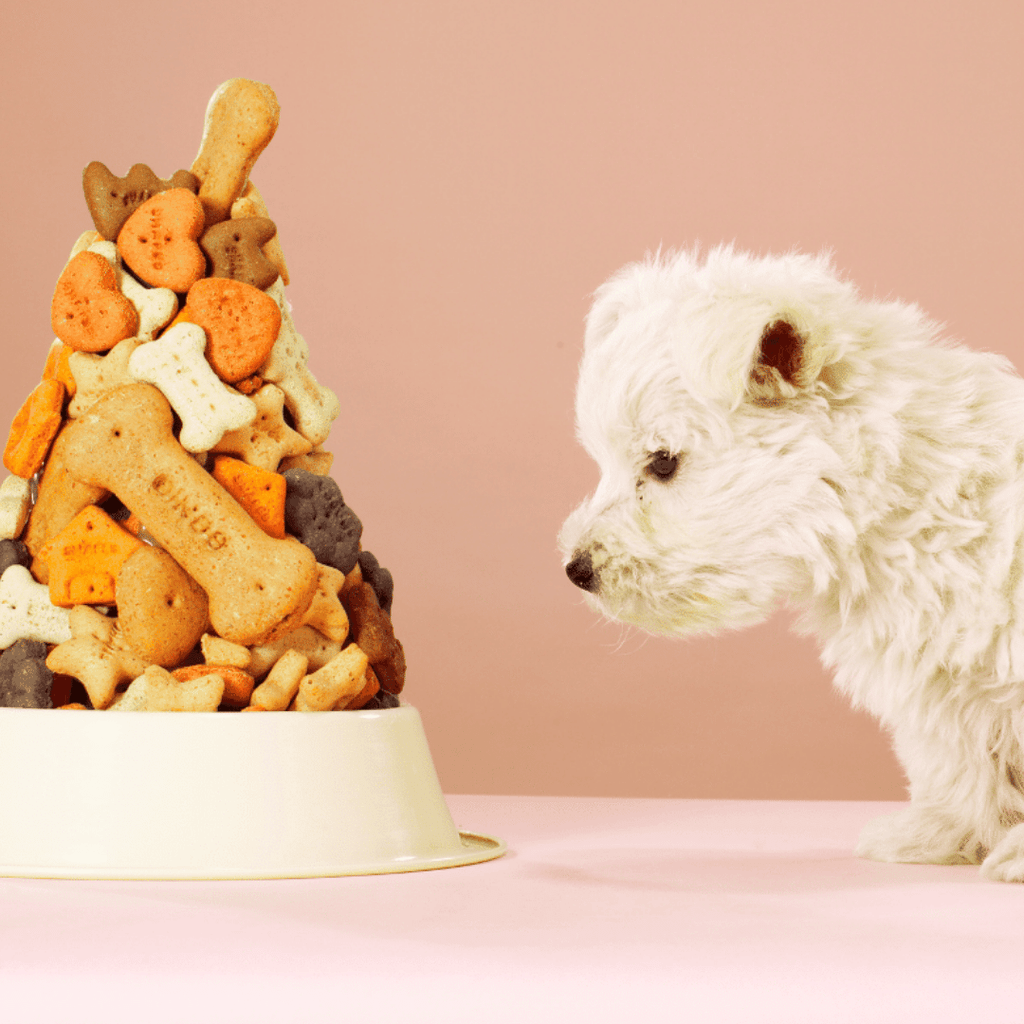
241 119
314 646
326 614
157 690
97 654
238 684
268 439
163 611
339 681
26 612
316 461
258 587
278 690
363 697
313 406
59 499
15 503
175 364
96 374
250 204
218 651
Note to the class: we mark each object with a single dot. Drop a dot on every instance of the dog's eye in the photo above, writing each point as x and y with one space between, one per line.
662 465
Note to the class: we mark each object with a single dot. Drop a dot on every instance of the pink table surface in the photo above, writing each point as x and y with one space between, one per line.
603 910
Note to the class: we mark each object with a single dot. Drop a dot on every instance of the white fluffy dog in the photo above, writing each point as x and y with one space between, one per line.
765 433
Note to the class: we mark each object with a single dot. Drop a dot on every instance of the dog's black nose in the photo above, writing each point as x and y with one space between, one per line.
581 571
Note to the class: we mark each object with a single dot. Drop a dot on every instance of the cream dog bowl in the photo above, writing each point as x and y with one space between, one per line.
87 794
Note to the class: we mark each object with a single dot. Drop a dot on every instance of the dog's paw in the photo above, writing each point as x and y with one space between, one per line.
1006 861
916 835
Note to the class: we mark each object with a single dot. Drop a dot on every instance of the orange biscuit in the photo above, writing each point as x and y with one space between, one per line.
34 428
58 368
85 558
238 685
88 311
159 240
260 492
241 324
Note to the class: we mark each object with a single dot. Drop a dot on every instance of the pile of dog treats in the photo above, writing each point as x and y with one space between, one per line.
171 540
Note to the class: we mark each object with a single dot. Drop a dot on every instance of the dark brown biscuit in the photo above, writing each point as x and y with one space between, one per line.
112 200
233 248
373 633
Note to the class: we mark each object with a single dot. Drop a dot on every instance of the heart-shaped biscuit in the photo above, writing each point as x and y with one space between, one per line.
88 312
159 240
240 321
112 200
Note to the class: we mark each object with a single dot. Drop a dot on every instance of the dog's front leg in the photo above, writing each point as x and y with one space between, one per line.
949 820
1006 861
919 834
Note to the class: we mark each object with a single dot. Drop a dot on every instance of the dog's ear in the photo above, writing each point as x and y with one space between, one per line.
784 364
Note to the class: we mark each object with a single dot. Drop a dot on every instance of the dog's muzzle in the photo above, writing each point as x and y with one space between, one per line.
581 571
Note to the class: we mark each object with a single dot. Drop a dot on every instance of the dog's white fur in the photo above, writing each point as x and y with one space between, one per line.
865 470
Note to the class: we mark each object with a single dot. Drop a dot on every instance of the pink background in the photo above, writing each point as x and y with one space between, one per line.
451 180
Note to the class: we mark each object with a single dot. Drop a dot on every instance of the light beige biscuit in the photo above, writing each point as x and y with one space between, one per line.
97 654
278 690
206 406
268 439
258 587
313 406
218 651
312 645
251 204
163 611
26 612
339 681
15 503
315 461
326 613
157 690
241 119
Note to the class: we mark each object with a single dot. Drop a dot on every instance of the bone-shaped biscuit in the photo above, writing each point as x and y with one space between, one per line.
313 406
241 119
156 306
258 587
207 407
26 612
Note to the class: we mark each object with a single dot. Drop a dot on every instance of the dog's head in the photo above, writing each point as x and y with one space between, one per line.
706 395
